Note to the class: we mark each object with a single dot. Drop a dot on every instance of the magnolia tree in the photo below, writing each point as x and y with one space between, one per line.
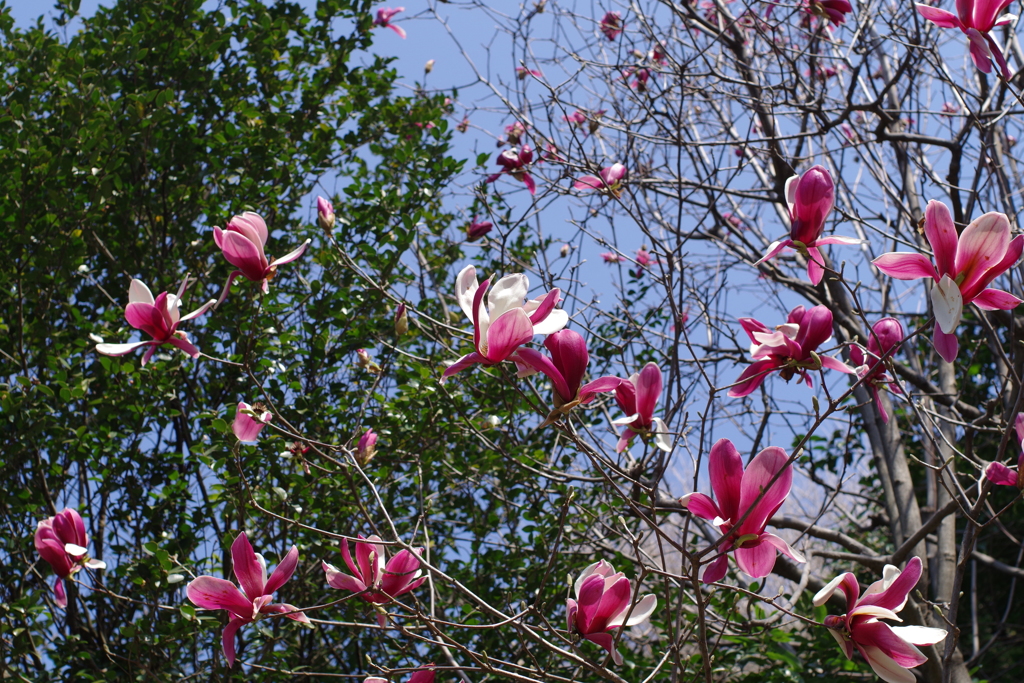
770 440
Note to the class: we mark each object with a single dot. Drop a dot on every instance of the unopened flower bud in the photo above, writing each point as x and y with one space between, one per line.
401 320
325 214
367 448
429 66
364 361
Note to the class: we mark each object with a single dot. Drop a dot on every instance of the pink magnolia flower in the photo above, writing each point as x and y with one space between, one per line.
976 18
611 25
375 578
250 421
424 675
644 258
242 242
964 267
159 318
640 77
565 368
577 118
61 541
384 16
506 323
515 163
833 10
611 257
736 489
514 132
888 649
325 214
998 473
476 230
604 602
522 72
637 398
367 447
247 604
810 198
790 349
609 182
886 335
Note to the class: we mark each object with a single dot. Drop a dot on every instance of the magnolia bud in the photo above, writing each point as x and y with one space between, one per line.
367 448
429 66
325 214
401 320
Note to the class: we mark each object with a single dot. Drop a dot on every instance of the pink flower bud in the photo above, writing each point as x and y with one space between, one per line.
401 320
325 214
367 448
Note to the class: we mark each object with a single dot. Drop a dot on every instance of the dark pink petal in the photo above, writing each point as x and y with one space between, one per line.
547 304
625 396
283 571
725 468
246 427
996 299
877 395
981 52
756 560
463 363
773 250
895 596
342 581
946 344
942 236
400 571
600 386
422 676
227 639
815 267
569 353
153 346
209 592
702 506
248 570
812 200
614 601
985 13
752 377
879 635
605 642
397 29
1013 253
761 470
511 330
244 255
183 344
815 329
541 363
368 558
588 602
53 552
750 326
783 547
998 473
251 225
939 17
648 391
905 266
716 570
149 319
836 364
570 615
588 182
60 598
530 185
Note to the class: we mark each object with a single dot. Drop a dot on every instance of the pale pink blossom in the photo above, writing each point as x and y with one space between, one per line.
159 318
790 349
375 578
61 541
998 473
611 257
604 602
976 18
250 421
810 197
242 242
506 322
888 649
384 17
577 118
249 603
609 182
522 72
964 266
736 490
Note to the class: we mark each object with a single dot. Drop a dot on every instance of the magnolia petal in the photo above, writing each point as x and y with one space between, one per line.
945 344
905 266
244 255
881 635
341 581
715 571
209 592
507 294
569 353
628 419
847 582
756 560
648 391
700 505
538 362
894 595
555 320
120 349
138 293
149 319
783 547
541 307
530 185
60 598
397 29
463 363
884 666
605 641
597 567
199 311
661 435
465 290
227 640
185 345
983 244
939 17
725 469
600 385
773 250
947 303
752 377
248 570
942 236
642 611
836 364
291 256
93 563
252 225
815 265
996 300
588 182
589 600
981 53
75 549
507 333
838 239
761 470
998 473
283 571
920 635
289 611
